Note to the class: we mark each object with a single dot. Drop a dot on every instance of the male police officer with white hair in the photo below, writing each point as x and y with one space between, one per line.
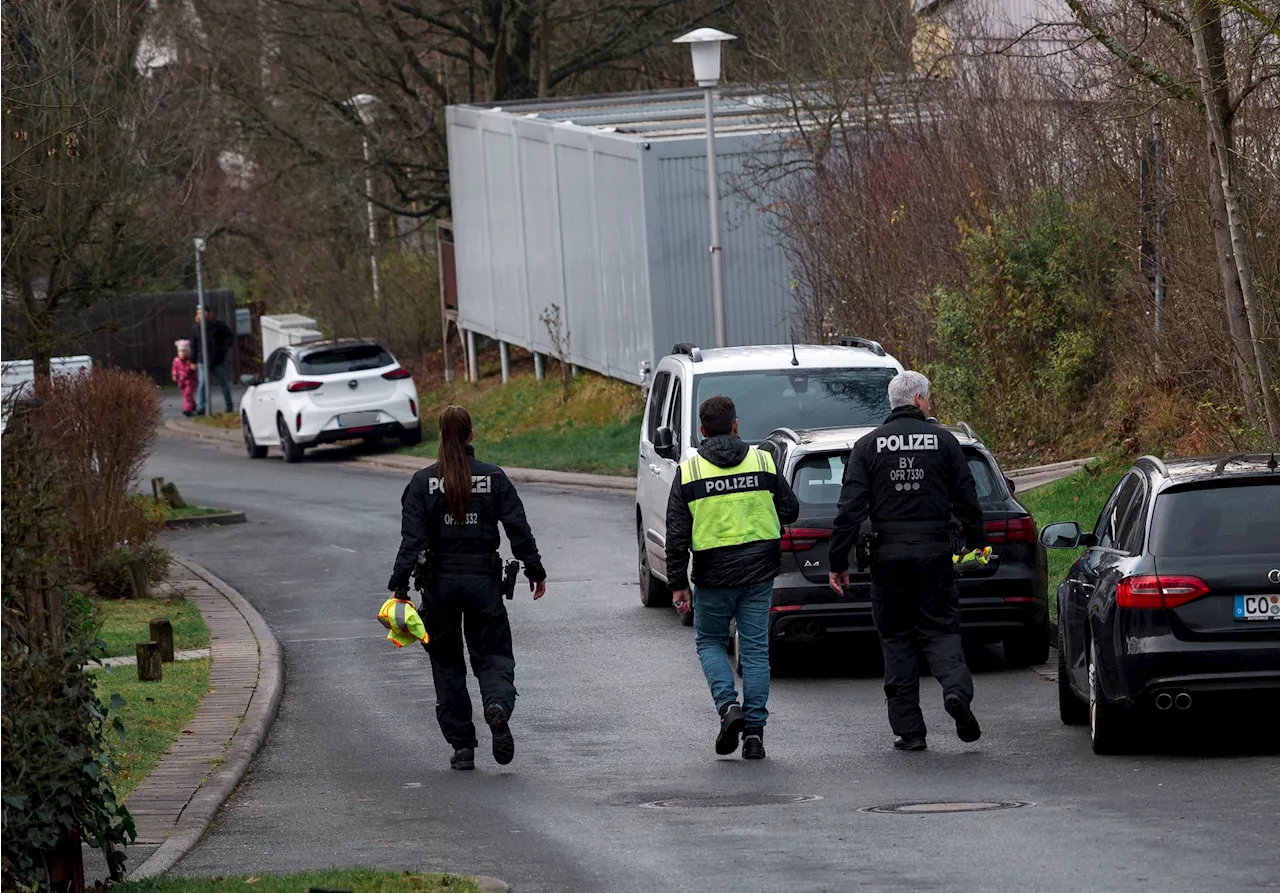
910 477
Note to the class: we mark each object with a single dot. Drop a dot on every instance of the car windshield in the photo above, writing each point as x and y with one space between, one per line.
1238 519
819 477
348 358
810 398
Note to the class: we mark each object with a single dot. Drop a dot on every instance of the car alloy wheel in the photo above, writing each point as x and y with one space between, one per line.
250 445
1110 726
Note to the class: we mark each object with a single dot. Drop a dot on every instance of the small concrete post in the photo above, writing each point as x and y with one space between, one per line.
504 354
473 361
162 635
157 489
169 493
150 667
574 370
539 368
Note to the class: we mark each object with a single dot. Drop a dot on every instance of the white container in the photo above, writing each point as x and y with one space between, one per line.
287 329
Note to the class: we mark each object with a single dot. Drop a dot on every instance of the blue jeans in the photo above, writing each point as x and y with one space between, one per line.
749 606
219 374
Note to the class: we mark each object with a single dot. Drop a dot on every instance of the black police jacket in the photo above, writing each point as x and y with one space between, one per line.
425 523
910 477
728 566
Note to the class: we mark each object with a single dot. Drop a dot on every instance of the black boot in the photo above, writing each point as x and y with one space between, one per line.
753 744
504 745
731 724
910 743
967 728
463 758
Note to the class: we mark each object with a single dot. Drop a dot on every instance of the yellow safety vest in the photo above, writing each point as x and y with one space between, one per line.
402 619
731 506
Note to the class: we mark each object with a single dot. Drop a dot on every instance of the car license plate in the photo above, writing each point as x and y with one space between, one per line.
357 419
1257 607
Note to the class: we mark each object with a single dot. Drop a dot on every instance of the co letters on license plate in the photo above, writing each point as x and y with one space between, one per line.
1257 607
356 419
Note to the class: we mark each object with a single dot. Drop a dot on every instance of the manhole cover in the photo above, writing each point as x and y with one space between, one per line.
727 800
947 806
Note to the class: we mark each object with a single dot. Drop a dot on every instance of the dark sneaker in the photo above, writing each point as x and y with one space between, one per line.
463 758
753 744
912 744
504 745
966 723
731 725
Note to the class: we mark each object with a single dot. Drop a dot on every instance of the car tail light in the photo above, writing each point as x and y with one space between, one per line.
296 386
802 539
1014 530
777 609
413 407
297 423
1149 591
396 374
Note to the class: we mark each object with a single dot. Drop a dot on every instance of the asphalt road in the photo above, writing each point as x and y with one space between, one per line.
613 713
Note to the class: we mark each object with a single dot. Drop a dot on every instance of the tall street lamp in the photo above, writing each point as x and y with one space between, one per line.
362 103
705 45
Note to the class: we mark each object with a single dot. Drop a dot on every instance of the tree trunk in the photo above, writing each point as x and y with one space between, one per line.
1237 318
1206 38
162 634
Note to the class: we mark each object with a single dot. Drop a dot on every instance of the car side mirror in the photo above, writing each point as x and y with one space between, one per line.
1008 481
1064 535
250 381
664 443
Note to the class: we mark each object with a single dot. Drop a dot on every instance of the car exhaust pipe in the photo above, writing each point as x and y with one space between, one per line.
1164 701
1182 701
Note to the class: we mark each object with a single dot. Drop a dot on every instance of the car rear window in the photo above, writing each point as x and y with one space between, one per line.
1236 519
350 358
819 478
806 398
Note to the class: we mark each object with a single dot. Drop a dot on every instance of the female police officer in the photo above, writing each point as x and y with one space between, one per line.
452 509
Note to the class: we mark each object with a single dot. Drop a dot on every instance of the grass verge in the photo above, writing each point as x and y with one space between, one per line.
357 880
191 511
229 420
153 715
1078 497
523 423
125 622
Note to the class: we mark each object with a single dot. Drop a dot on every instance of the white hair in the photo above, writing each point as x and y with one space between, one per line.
904 387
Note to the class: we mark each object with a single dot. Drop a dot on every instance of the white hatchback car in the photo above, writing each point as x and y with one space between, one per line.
327 391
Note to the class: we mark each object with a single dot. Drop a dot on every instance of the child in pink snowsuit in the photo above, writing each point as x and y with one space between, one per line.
183 373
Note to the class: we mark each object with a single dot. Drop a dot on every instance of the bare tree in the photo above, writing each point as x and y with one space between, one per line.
97 154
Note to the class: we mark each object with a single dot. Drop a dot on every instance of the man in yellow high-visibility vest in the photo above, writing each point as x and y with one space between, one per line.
728 505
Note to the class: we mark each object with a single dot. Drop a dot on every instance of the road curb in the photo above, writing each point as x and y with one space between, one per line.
201 520
244 744
398 462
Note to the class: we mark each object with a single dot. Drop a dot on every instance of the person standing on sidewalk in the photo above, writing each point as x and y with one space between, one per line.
728 505
221 340
452 510
911 477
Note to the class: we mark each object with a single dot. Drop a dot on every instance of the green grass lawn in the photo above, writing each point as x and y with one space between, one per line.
221 420
357 880
191 511
153 715
523 424
1078 498
125 622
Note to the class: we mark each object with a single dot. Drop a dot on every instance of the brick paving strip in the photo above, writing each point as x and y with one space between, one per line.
178 799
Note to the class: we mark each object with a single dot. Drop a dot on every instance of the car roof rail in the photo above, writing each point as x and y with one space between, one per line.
1159 465
867 343
968 431
689 349
1236 457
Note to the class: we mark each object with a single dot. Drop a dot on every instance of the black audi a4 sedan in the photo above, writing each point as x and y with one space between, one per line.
1173 608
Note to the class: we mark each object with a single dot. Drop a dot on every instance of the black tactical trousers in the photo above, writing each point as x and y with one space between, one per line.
916 608
470 605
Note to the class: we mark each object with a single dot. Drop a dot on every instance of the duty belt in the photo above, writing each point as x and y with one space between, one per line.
914 531
462 562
